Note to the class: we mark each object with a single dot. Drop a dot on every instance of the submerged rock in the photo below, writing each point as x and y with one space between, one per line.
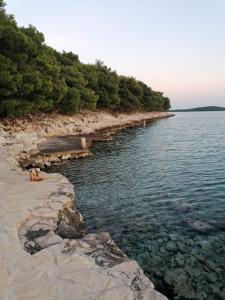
211 277
171 246
199 225
180 281
181 206
179 258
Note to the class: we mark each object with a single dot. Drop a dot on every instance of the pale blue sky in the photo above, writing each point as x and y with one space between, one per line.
176 46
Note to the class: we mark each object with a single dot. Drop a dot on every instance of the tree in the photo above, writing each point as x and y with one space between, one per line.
130 94
107 87
166 104
88 99
10 79
71 102
2 7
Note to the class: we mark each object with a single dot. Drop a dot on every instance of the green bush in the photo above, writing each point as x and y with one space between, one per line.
88 99
16 108
71 103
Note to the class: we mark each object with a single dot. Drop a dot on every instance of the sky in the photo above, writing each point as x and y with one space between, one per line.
175 46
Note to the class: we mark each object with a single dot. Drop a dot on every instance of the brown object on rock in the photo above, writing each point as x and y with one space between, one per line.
35 174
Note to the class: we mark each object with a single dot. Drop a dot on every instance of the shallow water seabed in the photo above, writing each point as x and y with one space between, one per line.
160 192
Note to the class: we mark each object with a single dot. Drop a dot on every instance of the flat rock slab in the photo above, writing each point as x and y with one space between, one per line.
62 144
71 143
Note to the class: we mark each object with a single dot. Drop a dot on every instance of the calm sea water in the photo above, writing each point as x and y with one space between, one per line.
160 192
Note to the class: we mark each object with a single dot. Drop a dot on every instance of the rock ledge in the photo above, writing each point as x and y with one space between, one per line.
44 251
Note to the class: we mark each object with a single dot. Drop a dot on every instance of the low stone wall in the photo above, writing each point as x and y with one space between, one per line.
29 138
44 251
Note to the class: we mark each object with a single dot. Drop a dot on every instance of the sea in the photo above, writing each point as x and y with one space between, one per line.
159 190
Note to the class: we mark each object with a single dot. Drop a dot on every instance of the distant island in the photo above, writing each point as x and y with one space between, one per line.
204 108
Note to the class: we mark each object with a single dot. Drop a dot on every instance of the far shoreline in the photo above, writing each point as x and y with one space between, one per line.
200 109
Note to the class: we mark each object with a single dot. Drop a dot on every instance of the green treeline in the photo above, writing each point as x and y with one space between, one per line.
36 78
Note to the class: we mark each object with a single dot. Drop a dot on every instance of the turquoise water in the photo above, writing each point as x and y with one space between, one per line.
160 192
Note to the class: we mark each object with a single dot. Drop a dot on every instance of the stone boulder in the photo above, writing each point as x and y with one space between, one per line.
26 138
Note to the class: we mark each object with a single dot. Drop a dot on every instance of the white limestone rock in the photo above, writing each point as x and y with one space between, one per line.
89 268
2 140
27 139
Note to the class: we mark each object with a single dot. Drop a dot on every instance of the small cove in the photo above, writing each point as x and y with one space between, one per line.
160 192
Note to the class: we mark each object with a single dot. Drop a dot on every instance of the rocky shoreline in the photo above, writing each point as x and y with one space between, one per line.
57 138
41 218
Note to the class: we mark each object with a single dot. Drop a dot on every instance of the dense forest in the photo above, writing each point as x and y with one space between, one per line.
36 78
